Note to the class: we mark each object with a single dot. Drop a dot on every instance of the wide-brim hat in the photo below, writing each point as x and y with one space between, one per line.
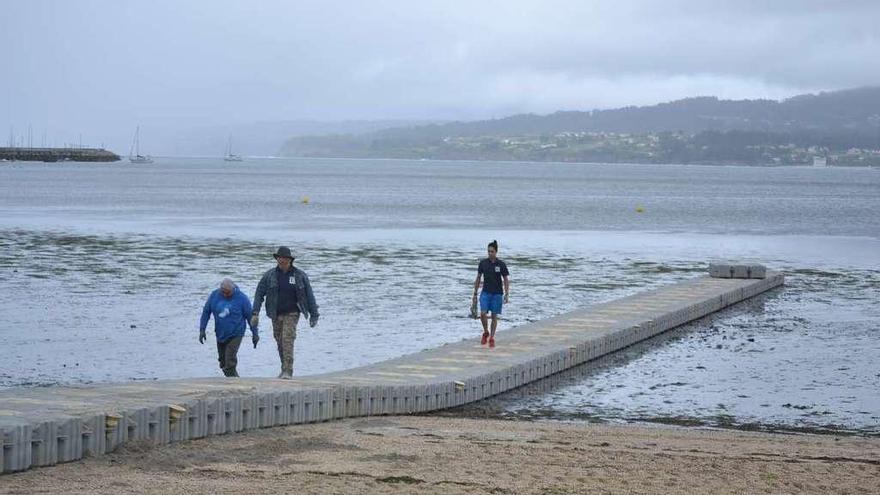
283 252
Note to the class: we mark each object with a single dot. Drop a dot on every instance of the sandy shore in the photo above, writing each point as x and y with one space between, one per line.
456 455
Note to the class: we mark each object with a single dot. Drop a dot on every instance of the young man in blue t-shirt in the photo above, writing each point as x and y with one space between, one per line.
496 288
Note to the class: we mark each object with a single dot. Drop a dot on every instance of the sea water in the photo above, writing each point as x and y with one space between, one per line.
104 269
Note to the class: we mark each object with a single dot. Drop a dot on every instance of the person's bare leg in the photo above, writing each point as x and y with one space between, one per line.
494 326
485 338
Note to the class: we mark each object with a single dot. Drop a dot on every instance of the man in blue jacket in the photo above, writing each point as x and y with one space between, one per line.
232 310
288 295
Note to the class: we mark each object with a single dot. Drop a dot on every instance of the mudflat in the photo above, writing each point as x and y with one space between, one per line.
429 454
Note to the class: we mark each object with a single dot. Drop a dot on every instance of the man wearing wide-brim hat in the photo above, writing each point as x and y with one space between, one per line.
288 295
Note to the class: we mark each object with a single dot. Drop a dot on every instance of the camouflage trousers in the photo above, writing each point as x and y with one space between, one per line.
284 330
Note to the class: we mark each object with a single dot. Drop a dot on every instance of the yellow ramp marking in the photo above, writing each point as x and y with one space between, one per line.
454 360
402 375
428 368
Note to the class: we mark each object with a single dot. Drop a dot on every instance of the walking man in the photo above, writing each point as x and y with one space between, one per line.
493 271
288 295
231 309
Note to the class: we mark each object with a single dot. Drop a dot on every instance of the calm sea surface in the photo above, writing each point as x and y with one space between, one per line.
104 269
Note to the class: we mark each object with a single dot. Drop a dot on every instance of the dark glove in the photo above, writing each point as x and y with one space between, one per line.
255 339
202 337
313 321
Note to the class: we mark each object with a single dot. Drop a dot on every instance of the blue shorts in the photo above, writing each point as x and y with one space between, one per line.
491 302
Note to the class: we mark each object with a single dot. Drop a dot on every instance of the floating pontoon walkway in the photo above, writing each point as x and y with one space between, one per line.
49 425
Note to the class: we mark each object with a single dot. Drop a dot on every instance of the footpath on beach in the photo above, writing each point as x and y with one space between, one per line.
49 425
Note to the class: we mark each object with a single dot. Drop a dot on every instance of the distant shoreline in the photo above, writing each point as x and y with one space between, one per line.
489 160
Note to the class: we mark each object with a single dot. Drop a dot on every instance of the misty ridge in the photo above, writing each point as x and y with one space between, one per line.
843 126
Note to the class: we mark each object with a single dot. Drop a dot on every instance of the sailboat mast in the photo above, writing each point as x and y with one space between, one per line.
131 149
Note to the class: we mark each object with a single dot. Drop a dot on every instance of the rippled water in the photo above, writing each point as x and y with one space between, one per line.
104 269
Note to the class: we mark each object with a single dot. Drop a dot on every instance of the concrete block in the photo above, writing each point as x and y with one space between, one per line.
473 387
456 393
493 384
280 408
561 359
215 413
383 402
178 422
250 406
740 271
325 404
408 394
350 402
93 433
365 400
337 403
137 424
232 409
115 430
296 407
516 374
429 398
435 391
15 445
197 419
265 410
453 392
310 412
403 404
439 401
508 378
720 270
69 439
44 448
482 384
158 425
548 365
545 367
420 398
375 400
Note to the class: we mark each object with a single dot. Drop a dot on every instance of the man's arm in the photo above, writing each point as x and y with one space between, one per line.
247 311
477 285
506 288
310 298
259 294
206 315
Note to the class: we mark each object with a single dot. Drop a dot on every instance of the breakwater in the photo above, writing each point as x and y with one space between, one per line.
58 155
48 425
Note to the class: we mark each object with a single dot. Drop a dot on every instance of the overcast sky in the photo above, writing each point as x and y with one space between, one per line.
100 67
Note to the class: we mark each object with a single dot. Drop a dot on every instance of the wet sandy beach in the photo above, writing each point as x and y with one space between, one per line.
429 454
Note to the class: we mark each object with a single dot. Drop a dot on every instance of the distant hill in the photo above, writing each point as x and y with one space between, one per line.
852 110
249 139
848 118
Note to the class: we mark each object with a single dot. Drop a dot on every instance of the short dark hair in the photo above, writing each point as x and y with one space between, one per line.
494 245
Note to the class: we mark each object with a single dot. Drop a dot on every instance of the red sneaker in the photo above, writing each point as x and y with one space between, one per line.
491 342
484 339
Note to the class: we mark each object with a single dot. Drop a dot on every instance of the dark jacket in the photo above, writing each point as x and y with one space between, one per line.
230 314
268 289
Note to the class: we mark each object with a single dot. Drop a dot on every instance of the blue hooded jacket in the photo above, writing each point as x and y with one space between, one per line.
230 315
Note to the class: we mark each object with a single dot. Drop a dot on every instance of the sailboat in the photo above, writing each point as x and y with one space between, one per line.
230 156
136 148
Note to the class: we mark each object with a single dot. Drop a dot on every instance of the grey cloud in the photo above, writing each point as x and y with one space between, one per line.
101 66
